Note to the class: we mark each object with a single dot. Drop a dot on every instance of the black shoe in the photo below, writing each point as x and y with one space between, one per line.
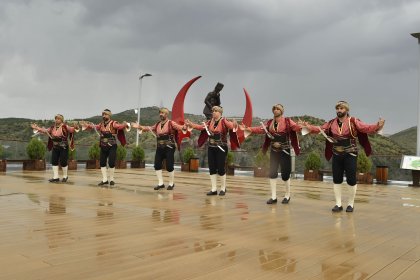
272 201
285 200
112 183
64 179
54 180
222 193
103 183
349 209
170 188
337 209
159 187
212 193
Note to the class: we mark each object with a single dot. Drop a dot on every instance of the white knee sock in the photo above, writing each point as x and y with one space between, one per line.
65 171
337 194
213 179
159 176
104 176
352 194
287 188
55 171
223 183
171 178
273 186
111 174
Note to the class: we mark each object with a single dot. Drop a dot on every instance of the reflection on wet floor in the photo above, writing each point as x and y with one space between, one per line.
57 205
275 260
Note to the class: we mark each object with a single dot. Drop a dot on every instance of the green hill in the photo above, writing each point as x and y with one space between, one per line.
406 138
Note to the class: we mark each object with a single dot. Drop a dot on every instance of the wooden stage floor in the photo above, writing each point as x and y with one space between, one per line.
80 231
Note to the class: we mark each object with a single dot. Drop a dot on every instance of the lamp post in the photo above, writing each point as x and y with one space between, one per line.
417 36
138 108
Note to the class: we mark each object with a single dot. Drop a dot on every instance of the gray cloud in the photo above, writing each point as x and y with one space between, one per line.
78 57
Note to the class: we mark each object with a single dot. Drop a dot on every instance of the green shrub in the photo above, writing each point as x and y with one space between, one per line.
1 151
188 154
313 161
72 154
364 164
94 151
262 160
36 149
230 158
121 152
137 154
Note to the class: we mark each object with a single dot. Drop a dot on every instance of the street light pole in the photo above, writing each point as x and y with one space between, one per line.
417 36
138 107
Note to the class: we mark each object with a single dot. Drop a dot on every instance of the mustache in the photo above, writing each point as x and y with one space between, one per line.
341 114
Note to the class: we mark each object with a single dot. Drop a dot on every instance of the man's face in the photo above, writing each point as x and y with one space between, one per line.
163 116
58 121
105 117
277 112
216 115
341 111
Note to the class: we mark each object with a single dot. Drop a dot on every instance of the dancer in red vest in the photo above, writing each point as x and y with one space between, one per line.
108 130
340 134
280 135
166 132
216 130
58 136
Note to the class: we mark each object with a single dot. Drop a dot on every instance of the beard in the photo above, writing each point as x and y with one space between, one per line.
105 119
162 118
341 114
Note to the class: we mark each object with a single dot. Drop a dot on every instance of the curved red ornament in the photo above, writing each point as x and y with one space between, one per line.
247 119
178 109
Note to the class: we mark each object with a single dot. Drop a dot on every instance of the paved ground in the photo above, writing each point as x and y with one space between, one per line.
80 231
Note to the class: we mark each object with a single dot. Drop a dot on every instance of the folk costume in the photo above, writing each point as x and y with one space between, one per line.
341 145
280 137
215 132
166 132
109 130
59 135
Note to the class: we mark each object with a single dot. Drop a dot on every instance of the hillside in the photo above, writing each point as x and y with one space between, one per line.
406 138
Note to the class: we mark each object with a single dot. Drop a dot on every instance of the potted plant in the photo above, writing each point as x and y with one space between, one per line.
93 153
312 165
230 168
261 164
137 157
72 162
36 150
364 165
121 163
187 156
3 162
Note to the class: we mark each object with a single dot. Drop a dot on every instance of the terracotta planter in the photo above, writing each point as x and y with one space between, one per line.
185 167
92 164
121 164
3 165
34 165
230 170
72 163
194 164
138 164
364 178
312 175
261 171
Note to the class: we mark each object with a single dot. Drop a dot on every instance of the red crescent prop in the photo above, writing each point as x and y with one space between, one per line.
178 108
247 119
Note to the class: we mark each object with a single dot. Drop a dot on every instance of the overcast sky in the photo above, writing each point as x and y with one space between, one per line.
79 57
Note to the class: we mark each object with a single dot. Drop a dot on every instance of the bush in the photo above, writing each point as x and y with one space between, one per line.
137 154
188 154
364 164
230 158
1 151
262 160
313 161
121 152
36 149
94 151
72 154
